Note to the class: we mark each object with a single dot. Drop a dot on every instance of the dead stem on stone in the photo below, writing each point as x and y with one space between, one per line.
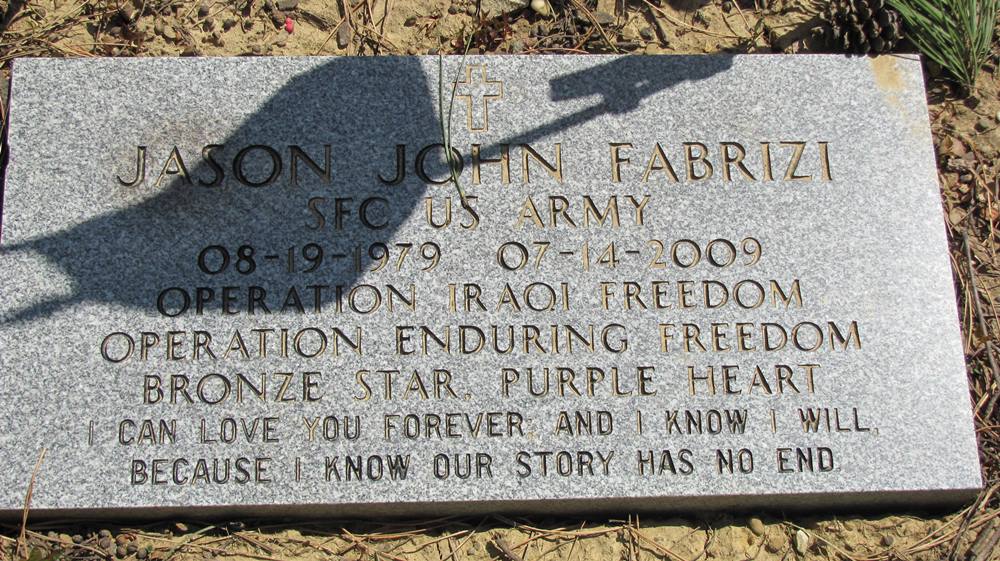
21 540
445 118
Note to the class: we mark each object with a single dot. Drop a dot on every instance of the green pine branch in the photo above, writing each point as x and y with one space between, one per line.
957 34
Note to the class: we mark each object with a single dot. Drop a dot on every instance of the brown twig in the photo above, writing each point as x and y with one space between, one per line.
505 550
688 26
982 322
986 542
593 19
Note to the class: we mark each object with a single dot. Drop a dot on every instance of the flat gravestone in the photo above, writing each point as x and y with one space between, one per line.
249 286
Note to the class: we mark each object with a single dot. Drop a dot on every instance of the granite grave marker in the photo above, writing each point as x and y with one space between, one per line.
249 286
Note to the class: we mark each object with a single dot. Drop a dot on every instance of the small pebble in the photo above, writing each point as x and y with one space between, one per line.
121 551
121 539
604 18
965 178
141 554
228 24
983 124
278 17
104 534
208 25
127 13
169 32
647 33
203 10
287 5
452 9
410 21
888 540
65 538
801 542
131 547
282 39
727 6
757 526
471 10
106 543
77 538
344 35
181 527
411 50
776 542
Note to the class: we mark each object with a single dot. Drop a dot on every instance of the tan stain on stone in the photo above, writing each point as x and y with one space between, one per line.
889 81
886 72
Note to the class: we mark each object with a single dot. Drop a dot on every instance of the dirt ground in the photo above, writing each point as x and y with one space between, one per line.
966 134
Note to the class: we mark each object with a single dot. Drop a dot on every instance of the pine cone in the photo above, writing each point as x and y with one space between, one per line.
861 26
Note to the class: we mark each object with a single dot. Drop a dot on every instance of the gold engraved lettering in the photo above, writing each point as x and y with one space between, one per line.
728 160
324 173
658 161
824 159
503 160
765 152
690 159
554 170
728 379
140 169
617 160
173 166
793 164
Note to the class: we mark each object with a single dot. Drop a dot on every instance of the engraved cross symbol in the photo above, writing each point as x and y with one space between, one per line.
477 90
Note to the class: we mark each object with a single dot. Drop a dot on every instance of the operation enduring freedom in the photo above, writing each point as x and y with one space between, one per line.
446 340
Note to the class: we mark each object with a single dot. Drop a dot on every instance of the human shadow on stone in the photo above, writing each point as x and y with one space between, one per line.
260 230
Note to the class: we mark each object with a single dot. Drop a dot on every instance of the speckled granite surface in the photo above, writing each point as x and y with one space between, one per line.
684 282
